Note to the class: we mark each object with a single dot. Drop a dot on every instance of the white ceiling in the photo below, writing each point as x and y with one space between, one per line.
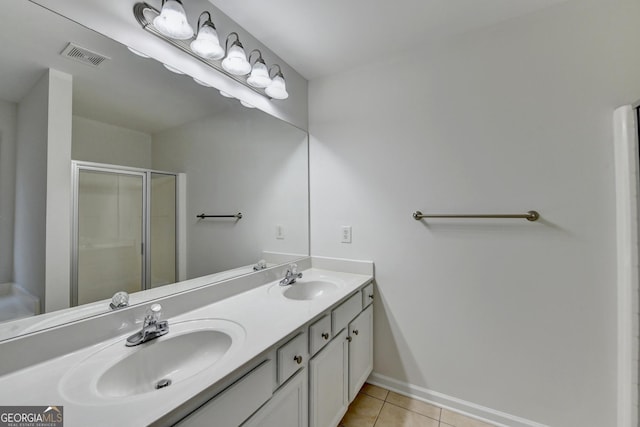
322 37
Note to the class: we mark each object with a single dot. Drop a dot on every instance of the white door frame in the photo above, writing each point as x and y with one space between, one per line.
626 183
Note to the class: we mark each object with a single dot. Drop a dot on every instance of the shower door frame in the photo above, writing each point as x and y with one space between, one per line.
627 169
78 166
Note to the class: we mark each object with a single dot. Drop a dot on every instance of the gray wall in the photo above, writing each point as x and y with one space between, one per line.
99 142
239 161
58 221
8 117
31 190
514 316
43 194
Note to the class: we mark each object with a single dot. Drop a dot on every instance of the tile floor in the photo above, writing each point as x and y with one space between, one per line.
377 407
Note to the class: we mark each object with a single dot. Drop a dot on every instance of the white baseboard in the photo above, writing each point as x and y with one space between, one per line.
469 409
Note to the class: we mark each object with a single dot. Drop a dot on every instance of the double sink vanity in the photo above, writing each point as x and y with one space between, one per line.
248 351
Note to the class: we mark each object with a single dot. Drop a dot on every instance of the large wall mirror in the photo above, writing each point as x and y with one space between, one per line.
109 166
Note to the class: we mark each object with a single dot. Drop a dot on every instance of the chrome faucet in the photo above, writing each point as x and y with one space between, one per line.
152 327
291 275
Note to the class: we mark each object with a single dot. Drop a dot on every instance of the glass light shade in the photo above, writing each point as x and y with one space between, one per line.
226 95
277 89
172 69
172 21
207 44
201 83
137 52
236 61
259 75
246 104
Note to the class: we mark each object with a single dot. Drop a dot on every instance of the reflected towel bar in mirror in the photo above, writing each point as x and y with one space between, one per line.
529 216
236 216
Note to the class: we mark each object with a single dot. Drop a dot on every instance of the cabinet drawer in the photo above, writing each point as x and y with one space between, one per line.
341 316
252 391
367 295
319 334
291 357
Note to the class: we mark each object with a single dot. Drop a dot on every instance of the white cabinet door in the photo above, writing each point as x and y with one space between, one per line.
236 403
287 407
360 350
328 400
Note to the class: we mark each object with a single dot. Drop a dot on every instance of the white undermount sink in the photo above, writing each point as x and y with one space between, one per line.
118 371
308 290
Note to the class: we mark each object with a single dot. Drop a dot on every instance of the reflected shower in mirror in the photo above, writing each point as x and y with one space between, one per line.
151 150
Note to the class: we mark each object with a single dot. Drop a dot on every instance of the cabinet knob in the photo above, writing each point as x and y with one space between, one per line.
349 339
371 296
325 335
355 332
298 359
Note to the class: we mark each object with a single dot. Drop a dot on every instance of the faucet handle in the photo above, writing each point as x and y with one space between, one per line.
119 300
153 314
293 267
261 265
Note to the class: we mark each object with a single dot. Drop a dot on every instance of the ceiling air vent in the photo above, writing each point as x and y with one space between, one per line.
83 55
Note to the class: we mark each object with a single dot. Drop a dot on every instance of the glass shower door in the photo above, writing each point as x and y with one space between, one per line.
110 233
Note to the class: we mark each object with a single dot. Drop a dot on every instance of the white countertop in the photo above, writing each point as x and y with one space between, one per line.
264 314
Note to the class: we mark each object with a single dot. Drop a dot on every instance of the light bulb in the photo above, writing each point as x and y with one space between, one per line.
259 75
226 95
277 89
246 104
207 44
172 21
236 61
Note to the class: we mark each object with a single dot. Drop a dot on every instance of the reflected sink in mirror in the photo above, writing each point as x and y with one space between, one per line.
302 290
170 361
311 286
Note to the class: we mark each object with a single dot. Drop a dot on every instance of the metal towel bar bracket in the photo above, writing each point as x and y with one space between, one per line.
236 216
529 216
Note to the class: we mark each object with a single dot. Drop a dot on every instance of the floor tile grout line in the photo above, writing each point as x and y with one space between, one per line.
378 415
418 413
386 400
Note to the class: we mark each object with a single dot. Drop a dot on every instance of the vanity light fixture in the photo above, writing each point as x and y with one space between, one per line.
172 21
259 73
226 94
207 44
170 24
235 61
246 104
278 88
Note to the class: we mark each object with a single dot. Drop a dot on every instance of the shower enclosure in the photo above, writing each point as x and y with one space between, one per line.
124 230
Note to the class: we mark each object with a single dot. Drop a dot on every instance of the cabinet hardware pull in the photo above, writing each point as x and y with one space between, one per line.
298 359
349 339
355 331
371 296
325 335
